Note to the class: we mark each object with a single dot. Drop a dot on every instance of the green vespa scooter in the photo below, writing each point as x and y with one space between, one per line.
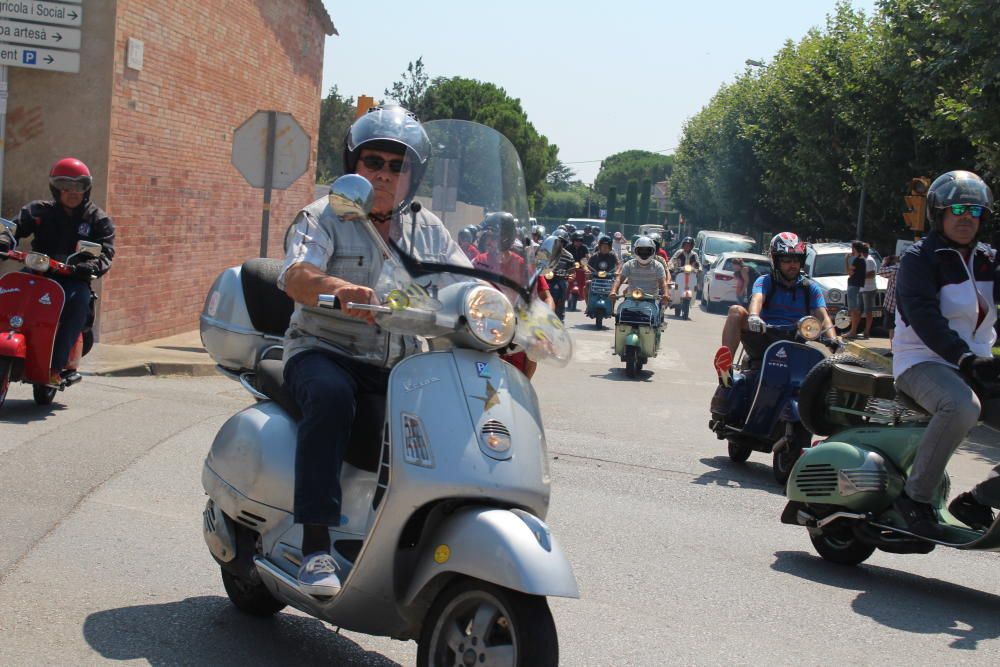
637 330
842 489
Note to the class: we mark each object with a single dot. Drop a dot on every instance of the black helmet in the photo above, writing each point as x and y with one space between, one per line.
501 223
687 239
604 239
956 187
570 227
393 129
577 235
464 235
561 235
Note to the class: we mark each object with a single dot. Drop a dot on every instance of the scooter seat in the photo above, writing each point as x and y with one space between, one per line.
866 381
365 446
268 306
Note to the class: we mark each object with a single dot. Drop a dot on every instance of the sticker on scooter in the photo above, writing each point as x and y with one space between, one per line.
781 354
483 369
46 300
9 291
491 399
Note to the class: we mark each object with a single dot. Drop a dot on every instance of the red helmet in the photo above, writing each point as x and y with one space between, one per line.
71 175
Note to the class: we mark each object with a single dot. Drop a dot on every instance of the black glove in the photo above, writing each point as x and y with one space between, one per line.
981 369
84 271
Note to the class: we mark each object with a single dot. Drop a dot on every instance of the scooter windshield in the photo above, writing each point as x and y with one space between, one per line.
465 214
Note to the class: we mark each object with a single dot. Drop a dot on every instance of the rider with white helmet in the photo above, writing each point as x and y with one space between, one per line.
643 273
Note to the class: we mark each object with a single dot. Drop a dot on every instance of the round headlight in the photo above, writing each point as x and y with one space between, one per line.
687 268
36 261
835 296
809 328
602 274
637 293
489 316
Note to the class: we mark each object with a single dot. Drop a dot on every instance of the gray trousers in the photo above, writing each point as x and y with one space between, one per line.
941 391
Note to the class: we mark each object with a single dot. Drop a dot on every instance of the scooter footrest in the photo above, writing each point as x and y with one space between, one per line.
70 379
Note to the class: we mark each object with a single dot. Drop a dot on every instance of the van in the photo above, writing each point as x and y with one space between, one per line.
580 223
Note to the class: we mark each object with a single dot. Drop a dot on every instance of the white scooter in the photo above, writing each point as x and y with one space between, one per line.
446 481
682 289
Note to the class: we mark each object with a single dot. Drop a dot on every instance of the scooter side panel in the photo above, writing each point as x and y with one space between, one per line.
497 546
843 474
784 366
39 301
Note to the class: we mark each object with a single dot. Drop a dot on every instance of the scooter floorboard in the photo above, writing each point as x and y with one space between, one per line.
960 537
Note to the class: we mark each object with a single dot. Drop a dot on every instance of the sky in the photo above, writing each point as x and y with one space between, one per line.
595 78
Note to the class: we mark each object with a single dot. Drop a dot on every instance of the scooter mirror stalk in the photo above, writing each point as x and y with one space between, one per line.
351 197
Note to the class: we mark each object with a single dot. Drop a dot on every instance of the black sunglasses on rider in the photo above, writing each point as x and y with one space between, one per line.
974 210
69 184
377 162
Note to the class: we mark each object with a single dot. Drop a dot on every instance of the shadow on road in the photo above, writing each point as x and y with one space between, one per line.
618 374
905 601
26 411
210 631
749 475
984 443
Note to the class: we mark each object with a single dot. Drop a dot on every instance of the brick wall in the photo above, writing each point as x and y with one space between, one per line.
182 211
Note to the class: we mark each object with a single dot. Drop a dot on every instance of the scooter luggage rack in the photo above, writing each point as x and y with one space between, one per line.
887 411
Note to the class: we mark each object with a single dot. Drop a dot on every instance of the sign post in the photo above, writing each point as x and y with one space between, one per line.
271 150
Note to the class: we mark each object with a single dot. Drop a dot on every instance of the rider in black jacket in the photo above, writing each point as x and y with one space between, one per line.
57 225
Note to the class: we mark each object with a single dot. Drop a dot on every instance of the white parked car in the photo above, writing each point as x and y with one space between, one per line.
720 279
825 265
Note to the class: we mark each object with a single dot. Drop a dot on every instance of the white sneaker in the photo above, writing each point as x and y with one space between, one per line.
318 575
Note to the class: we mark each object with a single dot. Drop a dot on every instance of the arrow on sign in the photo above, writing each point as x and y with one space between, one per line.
57 37
49 59
73 15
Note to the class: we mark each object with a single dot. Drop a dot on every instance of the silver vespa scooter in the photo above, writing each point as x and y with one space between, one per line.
446 481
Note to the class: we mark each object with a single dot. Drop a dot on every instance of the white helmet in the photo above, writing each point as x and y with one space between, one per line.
643 250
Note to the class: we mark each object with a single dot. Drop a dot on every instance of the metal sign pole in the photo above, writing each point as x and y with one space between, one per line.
272 122
3 125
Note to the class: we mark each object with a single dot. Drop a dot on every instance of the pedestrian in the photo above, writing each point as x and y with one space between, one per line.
618 246
890 266
854 267
869 291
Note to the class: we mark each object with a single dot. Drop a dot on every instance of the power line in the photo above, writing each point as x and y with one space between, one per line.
662 150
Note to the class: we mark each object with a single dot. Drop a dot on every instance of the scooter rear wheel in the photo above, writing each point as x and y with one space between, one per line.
782 462
631 362
5 370
43 394
598 320
841 546
250 596
478 621
739 452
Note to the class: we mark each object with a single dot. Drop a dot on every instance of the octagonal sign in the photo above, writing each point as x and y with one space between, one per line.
291 150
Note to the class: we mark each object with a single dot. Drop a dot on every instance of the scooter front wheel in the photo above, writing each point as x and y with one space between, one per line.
841 546
739 452
631 361
43 394
250 596
598 319
473 622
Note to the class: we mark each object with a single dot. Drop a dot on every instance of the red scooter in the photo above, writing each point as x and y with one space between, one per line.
577 286
30 307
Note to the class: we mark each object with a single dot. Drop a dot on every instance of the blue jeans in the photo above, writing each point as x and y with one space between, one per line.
853 298
325 387
76 308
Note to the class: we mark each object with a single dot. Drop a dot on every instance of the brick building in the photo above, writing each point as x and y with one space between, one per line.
158 141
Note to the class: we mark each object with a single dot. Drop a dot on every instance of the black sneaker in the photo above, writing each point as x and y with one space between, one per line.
971 512
920 518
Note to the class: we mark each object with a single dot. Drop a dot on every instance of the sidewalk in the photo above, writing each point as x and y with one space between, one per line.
182 354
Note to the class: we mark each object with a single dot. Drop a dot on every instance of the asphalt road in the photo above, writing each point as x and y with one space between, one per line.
679 554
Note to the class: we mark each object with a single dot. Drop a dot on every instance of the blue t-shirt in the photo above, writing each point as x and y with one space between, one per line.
787 305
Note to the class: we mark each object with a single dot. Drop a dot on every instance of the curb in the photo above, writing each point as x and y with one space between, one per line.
202 369
881 361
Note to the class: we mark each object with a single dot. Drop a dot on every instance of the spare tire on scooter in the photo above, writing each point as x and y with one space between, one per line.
815 396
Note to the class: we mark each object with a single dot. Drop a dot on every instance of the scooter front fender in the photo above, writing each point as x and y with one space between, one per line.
632 339
509 548
13 345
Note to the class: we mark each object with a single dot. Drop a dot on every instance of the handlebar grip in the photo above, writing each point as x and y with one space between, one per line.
328 301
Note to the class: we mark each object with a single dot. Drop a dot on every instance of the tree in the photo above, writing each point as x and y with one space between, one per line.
410 89
336 114
560 177
633 165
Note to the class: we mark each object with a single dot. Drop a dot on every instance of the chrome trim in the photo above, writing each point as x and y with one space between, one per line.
839 515
232 375
244 379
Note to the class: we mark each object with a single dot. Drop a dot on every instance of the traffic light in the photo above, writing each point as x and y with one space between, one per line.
916 202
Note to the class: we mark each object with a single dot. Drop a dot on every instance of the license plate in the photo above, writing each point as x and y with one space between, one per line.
876 313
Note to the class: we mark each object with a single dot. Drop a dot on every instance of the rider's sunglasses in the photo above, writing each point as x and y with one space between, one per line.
377 162
974 210
790 260
69 185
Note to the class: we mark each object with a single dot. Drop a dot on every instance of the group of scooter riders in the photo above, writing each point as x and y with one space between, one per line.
946 295
946 309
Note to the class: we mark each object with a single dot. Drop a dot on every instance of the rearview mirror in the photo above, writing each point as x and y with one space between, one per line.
89 248
842 320
8 225
548 253
351 197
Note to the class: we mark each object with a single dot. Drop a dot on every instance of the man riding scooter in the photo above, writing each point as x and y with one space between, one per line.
782 296
578 283
559 282
601 267
684 257
56 227
326 367
945 311
645 274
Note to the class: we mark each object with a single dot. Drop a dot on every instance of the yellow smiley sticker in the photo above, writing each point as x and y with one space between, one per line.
442 554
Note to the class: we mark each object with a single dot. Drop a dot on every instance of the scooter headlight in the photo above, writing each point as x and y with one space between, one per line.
687 268
637 294
809 328
602 274
36 261
489 316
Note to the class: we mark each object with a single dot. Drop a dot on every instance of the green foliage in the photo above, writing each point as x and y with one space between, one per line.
612 204
336 114
570 203
410 89
560 177
631 197
643 216
620 168
786 146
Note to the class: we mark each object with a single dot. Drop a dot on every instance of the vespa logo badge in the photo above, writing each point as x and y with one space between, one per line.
483 369
410 385
9 291
46 300
781 354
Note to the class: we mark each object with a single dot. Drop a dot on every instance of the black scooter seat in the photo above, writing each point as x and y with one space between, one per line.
364 448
